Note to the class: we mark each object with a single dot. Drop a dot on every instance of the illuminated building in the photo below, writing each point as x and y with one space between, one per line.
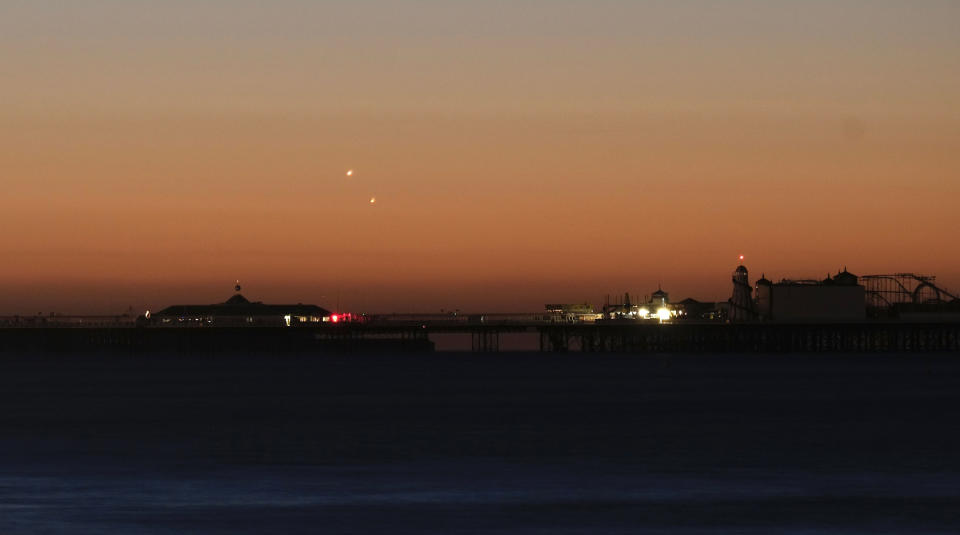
575 313
659 299
656 308
659 306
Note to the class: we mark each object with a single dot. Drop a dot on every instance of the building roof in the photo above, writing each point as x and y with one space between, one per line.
237 300
846 278
238 305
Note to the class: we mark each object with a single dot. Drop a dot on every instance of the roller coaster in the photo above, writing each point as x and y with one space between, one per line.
889 291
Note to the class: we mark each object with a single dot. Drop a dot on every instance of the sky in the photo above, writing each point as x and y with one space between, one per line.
520 152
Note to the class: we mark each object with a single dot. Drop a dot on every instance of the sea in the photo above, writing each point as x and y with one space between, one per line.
454 442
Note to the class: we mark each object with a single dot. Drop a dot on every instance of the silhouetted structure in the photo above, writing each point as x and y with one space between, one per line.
837 298
239 311
625 309
693 310
884 291
741 304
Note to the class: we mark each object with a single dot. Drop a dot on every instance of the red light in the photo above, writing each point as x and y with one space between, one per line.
335 318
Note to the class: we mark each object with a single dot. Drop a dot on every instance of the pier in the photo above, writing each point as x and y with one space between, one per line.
600 337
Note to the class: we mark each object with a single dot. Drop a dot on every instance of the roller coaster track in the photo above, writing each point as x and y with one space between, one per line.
885 291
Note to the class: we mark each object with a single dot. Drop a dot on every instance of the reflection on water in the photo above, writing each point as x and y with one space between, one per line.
467 496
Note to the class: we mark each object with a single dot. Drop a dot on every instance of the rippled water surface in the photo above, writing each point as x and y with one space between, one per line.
453 443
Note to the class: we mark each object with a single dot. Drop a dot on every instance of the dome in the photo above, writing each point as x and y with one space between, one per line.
237 300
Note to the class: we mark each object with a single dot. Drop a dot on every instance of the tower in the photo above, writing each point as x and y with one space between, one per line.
763 299
741 304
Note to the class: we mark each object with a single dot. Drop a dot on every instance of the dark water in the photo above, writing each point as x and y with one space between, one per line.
458 443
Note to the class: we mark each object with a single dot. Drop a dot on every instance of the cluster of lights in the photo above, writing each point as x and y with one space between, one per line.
344 317
662 314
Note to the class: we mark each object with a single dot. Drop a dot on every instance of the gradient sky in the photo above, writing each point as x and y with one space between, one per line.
521 152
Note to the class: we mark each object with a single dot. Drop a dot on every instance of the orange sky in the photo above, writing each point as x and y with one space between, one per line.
519 152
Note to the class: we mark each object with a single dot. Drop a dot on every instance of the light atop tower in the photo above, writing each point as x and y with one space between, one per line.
741 258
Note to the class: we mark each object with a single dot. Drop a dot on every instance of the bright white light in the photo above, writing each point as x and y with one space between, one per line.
350 172
286 319
644 313
373 200
663 314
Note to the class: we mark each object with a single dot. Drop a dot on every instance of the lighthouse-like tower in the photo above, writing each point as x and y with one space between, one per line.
741 304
